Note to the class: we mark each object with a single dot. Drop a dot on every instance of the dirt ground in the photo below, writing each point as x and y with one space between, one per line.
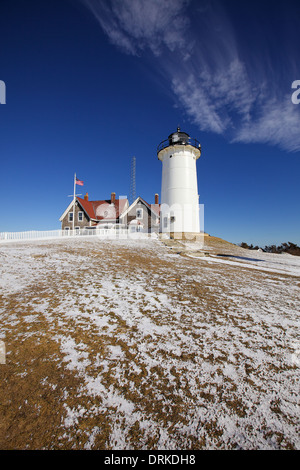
148 345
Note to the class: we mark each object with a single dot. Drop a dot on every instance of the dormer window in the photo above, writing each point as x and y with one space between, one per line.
139 213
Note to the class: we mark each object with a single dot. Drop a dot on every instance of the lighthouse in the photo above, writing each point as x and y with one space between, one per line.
179 188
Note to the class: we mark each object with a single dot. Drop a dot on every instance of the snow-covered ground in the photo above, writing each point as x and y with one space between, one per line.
137 344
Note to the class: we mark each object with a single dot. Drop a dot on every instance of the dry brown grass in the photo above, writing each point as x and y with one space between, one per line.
166 386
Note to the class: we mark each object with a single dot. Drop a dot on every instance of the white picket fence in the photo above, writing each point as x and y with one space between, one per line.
110 233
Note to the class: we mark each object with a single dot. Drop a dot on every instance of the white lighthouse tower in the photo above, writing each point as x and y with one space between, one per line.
179 188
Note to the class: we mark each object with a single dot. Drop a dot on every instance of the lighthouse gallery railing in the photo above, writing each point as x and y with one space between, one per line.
166 143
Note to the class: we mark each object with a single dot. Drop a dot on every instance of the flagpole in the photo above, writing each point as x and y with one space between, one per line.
74 201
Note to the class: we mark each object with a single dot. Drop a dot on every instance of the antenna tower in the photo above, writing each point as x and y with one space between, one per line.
132 195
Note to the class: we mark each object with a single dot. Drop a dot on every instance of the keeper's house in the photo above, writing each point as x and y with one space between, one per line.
141 216
137 217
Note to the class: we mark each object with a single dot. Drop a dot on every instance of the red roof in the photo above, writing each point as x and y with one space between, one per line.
99 210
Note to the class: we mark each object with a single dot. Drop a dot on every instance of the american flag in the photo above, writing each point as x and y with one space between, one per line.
79 182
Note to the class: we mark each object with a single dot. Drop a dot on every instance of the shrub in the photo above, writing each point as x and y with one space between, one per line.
288 247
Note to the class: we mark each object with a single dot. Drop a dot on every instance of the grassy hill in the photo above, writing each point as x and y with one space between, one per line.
148 344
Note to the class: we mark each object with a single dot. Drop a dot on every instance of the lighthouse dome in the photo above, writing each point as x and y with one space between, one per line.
178 137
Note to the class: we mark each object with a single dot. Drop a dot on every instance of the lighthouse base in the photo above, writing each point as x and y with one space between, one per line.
192 236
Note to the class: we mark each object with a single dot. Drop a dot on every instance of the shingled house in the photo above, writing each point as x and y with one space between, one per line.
138 217
141 216
89 214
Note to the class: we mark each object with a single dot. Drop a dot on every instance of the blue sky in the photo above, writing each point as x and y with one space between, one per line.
92 83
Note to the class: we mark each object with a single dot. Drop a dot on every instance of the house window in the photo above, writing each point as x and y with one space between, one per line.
165 222
67 228
80 216
70 216
139 213
172 219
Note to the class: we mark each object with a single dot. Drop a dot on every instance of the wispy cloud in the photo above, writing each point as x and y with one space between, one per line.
136 25
214 99
200 57
278 124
